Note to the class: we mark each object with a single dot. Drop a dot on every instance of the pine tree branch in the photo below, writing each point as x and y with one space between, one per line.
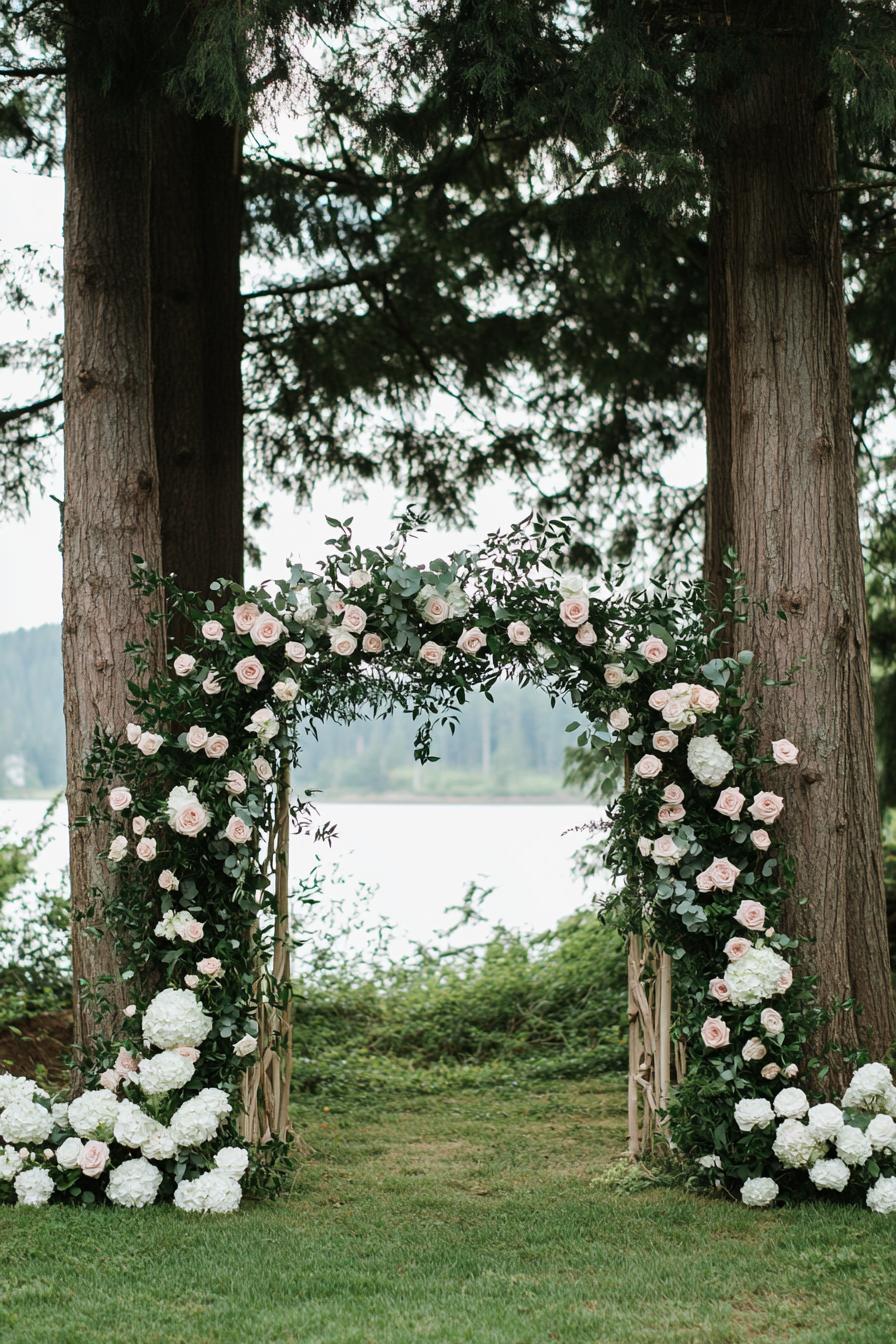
20 412
29 71
320 286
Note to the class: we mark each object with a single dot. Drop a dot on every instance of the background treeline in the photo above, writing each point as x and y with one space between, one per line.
511 748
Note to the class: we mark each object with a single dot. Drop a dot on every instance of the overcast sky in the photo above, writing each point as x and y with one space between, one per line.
31 214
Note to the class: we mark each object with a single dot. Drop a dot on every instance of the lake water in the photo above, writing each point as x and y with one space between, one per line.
416 859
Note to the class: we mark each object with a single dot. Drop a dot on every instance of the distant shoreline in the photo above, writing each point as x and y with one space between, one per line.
387 799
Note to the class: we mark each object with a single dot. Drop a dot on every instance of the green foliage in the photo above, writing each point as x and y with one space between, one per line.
35 969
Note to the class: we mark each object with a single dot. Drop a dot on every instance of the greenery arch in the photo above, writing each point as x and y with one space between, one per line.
199 783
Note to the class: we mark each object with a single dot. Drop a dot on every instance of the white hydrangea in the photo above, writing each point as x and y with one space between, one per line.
232 1161
25 1122
791 1102
10 1163
59 1112
825 1120
216 1100
881 1133
708 761
132 1125
33 1187
164 1073
881 1198
794 1145
753 1113
829 1174
305 607
92 1115
212 1192
853 1146
759 1192
193 1123
134 1184
175 1017
159 1145
14 1088
754 976
869 1088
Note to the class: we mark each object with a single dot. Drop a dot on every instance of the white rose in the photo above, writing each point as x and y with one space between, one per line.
619 719
342 642
431 653
264 723
572 585
295 652
518 632
133 733
196 737
614 675
359 578
244 1046
262 770
118 848
286 691
68 1153
149 743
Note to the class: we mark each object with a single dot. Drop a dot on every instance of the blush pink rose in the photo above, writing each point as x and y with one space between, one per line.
715 1033
434 609
665 740
167 880
190 819
213 630
574 610
736 947
262 770
766 807
431 653
188 1051
670 813
244 617
586 635
723 874
619 719
119 799
110 1080
191 931
653 649
645 845
719 990
761 839
335 604
209 966
139 825
212 685
372 643
648 767
472 641
785 980
216 746
784 752
146 849
673 793
753 1049
658 700
772 1021
770 1071
191 981
184 664
704 699
665 849
518 632
249 671
354 618
235 782
751 914
266 630
295 652
197 737
237 831
791 1071
93 1157
125 1062
614 675
729 803
133 732
342 642
704 882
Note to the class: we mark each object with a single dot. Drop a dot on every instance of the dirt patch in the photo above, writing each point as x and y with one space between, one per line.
36 1046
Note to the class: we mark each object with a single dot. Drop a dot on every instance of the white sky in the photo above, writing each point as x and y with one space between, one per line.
31 214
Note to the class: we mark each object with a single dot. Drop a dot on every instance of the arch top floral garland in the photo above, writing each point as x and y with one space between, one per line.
190 785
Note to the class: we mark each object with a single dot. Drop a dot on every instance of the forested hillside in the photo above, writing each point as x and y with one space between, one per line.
512 747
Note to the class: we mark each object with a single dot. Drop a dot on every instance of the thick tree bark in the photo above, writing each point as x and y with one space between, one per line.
782 491
197 344
111 488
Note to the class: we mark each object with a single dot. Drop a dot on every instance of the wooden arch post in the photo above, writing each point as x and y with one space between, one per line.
266 1085
653 1060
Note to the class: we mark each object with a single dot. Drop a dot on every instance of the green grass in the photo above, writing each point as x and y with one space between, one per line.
464 1219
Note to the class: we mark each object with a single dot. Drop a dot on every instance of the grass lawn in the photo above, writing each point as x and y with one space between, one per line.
466 1219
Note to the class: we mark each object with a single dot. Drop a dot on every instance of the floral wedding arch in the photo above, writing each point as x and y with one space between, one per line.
188 1099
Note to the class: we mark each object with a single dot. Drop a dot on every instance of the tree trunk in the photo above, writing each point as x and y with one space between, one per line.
197 327
782 491
111 489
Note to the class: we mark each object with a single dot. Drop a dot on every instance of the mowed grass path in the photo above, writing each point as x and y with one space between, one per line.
467 1219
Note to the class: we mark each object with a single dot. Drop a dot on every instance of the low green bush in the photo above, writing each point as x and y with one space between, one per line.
511 1007
35 964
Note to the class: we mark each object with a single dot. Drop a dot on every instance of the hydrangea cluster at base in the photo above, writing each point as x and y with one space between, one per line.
85 1149
852 1145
